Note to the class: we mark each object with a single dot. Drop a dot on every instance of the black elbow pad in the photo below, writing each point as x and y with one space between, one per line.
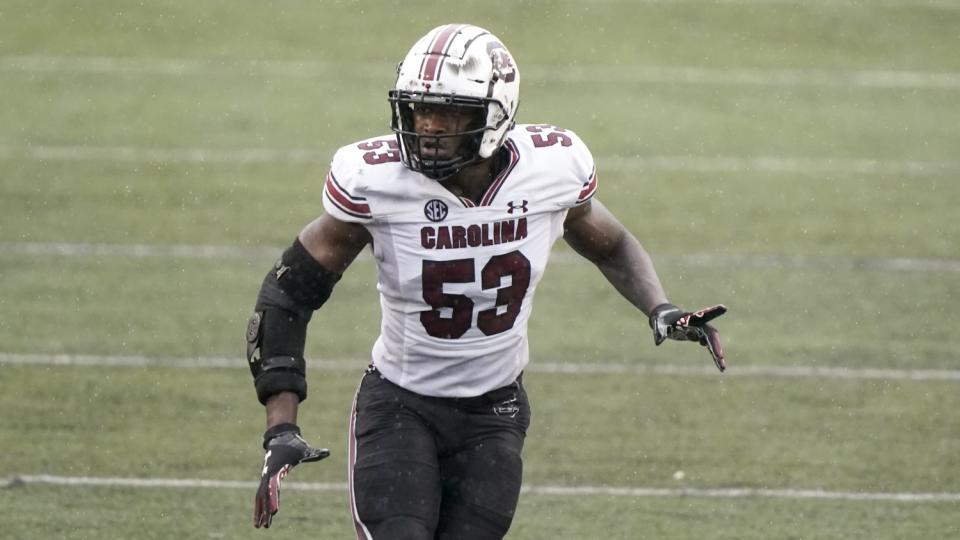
276 334
297 282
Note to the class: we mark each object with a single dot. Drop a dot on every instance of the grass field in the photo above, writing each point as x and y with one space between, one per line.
795 160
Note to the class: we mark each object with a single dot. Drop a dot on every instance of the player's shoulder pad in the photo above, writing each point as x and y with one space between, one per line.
354 171
561 157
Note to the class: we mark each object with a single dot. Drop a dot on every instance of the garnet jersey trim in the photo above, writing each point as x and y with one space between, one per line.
502 177
589 187
342 199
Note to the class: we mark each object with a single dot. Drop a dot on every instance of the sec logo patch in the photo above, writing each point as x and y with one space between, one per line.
435 210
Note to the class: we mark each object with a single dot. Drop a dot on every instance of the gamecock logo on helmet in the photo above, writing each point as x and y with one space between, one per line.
502 62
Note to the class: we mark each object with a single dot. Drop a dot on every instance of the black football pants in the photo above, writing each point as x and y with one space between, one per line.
425 468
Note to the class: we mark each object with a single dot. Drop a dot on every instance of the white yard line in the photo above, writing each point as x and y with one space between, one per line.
198 67
777 164
563 368
532 489
702 164
702 260
176 251
162 155
829 4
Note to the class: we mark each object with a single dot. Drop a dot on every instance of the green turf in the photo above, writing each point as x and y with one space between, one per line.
783 213
655 425
223 76
121 513
840 35
626 118
652 425
187 307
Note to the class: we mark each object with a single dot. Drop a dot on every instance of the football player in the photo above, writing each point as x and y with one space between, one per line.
461 206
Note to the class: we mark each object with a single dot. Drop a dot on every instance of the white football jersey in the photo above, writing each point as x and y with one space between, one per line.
456 278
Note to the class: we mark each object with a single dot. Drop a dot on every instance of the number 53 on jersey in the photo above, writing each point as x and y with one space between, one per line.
452 314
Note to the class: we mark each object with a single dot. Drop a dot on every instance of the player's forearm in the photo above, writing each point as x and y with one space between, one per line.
282 409
629 268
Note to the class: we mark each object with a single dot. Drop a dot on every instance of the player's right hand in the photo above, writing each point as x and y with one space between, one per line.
285 449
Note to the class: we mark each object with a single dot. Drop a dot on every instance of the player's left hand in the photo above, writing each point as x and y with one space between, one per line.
669 321
285 449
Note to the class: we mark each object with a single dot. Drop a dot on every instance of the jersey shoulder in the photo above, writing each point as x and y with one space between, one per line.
556 161
357 171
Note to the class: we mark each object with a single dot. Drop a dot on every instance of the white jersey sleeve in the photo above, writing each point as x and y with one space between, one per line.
346 191
564 167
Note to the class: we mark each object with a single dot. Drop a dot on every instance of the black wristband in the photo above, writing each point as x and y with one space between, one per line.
656 311
277 430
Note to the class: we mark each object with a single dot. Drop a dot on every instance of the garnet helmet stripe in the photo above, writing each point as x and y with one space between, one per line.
437 50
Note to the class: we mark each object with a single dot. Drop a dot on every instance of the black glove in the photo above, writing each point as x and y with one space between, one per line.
669 321
285 449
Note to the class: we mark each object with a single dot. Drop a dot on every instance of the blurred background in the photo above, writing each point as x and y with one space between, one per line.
797 161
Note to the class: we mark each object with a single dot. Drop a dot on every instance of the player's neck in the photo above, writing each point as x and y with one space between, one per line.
473 181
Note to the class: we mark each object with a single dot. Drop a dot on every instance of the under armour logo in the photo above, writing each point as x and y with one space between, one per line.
507 408
522 207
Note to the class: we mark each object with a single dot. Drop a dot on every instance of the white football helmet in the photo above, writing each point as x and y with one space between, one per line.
457 65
